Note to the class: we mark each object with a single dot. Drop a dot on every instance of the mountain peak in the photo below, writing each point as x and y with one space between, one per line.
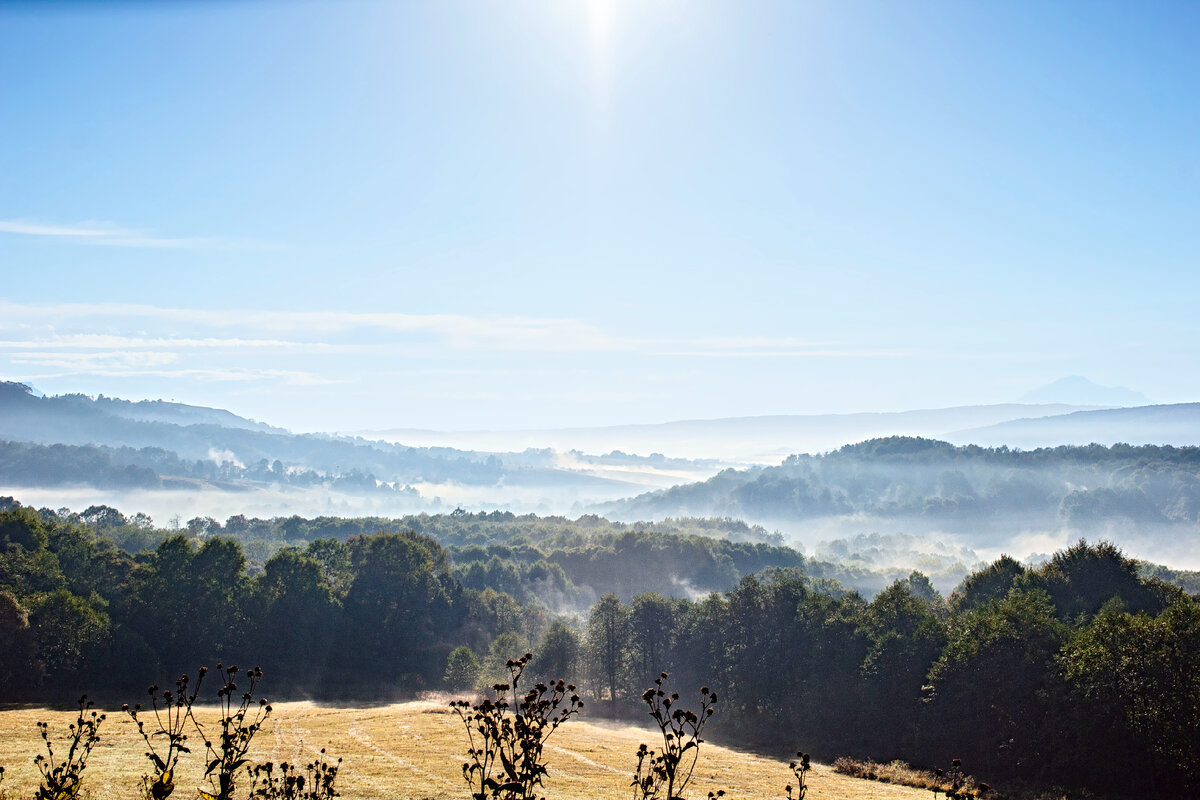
1078 390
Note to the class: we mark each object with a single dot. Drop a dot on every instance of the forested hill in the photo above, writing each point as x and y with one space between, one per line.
915 478
108 443
1047 675
219 436
112 443
1177 423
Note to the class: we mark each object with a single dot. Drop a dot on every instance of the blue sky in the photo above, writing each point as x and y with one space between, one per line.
502 215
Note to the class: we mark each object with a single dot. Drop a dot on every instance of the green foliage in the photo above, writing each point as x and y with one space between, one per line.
1083 578
462 669
191 602
997 677
69 631
558 652
906 477
607 632
505 650
292 587
1147 668
903 634
399 608
651 636
18 648
992 583
1035 674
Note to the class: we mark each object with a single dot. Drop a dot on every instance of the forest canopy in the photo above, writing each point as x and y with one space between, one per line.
1052 672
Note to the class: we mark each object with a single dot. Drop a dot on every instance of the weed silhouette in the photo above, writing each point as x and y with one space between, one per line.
506 761
799 768
289 783
170 718
665 774
228 756
61 779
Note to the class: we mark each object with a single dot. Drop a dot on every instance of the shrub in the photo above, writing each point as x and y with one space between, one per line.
960 786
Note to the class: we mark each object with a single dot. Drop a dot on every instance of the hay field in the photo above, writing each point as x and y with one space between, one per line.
414 751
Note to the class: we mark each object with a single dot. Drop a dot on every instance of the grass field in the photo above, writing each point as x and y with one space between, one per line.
415 751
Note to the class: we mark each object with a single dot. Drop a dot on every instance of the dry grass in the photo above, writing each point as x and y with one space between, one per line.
415 751
896 772
900 774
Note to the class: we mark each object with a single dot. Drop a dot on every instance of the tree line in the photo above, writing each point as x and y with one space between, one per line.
78 613
564 563
912 477
1080 672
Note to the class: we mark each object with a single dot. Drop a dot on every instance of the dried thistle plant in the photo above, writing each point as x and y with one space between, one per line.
61 779
665 774
800 768
287 782
238 726
506 735
171 710
961 787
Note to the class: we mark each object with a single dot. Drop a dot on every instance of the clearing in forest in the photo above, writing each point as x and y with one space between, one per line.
415 751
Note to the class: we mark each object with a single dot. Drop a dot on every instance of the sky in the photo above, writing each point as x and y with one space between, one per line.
503 215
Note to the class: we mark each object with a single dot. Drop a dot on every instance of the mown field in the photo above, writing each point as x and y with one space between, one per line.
415 751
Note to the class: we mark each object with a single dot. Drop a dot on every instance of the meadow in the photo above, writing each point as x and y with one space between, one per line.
414 751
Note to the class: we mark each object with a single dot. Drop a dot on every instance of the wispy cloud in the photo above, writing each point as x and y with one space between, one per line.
81 231
286 377
391 341
110 235
380 333
110 341
822 352
456 331
93 363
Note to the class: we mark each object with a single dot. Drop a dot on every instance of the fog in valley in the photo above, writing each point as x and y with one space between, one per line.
891 503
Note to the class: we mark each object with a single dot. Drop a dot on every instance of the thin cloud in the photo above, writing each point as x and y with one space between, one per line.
94 363
111 341
109 235
456 331
287 377
384 332
82 230
845 352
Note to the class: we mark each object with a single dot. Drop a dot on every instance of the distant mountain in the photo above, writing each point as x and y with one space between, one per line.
218 437
1079 391
734 440
1177 424
77 440
983 496
178 414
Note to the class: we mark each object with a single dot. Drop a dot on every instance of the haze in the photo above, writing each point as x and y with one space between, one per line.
466 216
